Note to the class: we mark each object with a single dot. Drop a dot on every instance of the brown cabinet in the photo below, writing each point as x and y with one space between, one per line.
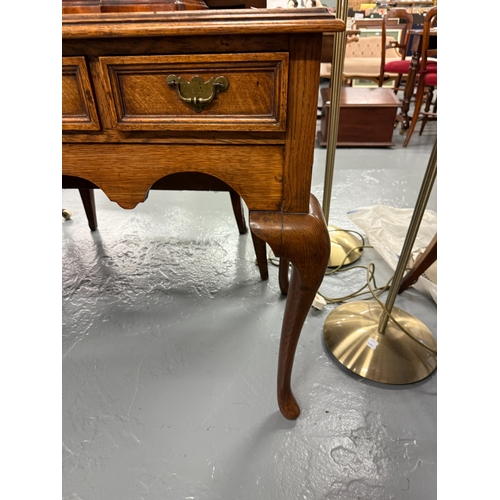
366 117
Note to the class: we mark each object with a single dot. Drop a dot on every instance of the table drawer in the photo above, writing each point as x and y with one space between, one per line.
252 92
78 103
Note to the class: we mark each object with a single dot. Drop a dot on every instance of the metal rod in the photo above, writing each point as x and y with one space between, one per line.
418 213
339 43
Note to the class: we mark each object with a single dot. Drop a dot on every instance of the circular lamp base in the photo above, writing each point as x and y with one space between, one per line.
343 244
351 333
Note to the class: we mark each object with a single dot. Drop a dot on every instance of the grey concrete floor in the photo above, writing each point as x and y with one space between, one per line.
170 343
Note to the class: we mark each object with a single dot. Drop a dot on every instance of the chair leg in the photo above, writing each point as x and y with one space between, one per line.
418 105
428 102
397 83
88 200
421 265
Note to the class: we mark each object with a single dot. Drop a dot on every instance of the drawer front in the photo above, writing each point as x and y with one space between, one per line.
251 97
78 103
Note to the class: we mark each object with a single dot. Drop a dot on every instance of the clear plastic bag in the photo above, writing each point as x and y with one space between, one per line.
386 229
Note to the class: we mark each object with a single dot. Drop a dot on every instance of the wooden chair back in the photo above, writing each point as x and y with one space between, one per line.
402 45
430 22
424 80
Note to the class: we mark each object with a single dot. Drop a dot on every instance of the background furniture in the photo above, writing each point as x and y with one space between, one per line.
427 75
363 59
327 50
417 36
401 67
366 117
373 23
233 97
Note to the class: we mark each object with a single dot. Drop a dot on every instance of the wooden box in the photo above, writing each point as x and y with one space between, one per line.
366 117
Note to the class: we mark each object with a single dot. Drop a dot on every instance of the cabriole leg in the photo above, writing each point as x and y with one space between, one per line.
303 240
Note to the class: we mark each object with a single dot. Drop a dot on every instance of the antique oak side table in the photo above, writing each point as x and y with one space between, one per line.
229 94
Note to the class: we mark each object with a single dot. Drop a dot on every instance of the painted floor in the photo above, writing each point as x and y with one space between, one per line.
170 343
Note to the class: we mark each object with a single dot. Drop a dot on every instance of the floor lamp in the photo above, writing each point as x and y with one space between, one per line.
345 248
382 342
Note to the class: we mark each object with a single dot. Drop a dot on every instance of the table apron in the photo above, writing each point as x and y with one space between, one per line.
126 172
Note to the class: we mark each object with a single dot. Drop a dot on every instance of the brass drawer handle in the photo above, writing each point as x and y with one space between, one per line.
198 93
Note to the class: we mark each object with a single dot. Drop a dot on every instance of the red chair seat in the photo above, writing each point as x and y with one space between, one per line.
432 67
431 79
400 67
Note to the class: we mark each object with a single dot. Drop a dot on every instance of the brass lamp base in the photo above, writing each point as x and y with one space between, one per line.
351 333
345 248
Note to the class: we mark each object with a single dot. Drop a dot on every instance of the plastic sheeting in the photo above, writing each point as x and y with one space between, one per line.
386 228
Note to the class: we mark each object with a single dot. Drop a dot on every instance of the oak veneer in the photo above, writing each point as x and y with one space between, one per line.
257 137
